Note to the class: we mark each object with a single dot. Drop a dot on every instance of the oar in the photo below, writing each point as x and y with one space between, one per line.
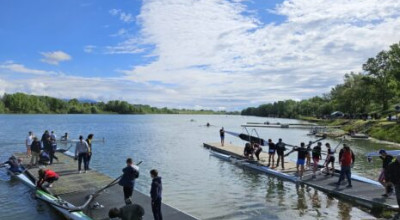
308 145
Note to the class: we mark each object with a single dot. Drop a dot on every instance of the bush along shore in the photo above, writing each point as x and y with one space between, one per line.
381 129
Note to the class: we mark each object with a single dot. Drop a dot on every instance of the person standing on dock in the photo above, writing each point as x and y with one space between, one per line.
392 176
28 143
81 153
316 156
301 159
35 149
346 162
127 181
89 142
53 141
271 153
330 159
280 151
222 135
386 160
156 194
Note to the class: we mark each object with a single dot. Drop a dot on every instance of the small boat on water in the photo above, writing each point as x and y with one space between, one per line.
67 209
359 136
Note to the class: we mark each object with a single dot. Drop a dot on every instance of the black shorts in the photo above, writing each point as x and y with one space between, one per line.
331 160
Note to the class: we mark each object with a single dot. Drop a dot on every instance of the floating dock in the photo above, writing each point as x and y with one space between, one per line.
365 192
74 187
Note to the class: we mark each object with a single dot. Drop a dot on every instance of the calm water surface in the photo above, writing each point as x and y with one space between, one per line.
194 182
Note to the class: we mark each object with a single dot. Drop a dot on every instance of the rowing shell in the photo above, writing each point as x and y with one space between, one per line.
60 205
389 152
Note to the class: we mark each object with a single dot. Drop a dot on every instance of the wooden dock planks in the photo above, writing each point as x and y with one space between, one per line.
74 187
363 194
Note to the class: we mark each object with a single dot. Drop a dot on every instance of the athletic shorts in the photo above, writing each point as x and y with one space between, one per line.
271 151
331 160
315 160
382 176
300 161
222 137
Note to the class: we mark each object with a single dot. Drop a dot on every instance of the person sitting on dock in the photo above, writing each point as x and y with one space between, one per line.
81 153
156 194
127 181
257 150
271 153
47 176
301 159
44 158
316 156
248 151
35 150
392 176
330 158
15 164
346 162
128 212
222 135
386 160
65 137
280 151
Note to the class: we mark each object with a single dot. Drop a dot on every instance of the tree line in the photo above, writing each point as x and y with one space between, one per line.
31 104
372 92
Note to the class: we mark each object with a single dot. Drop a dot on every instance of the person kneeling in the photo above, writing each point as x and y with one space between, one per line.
47 176
128 212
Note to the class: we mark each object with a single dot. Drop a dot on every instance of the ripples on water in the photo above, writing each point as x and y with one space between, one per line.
203 186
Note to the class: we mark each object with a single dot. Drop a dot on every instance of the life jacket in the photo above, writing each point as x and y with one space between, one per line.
346 158
50 174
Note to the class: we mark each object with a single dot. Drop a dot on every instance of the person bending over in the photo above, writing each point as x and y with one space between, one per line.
47 176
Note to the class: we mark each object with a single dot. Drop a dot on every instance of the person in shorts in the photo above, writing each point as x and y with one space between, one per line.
316 156
301 159
330 159
271 152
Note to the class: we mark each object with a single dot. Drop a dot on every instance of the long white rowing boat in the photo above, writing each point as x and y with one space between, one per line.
62 206
286 176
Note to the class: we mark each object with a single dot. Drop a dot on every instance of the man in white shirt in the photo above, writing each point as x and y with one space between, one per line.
28 143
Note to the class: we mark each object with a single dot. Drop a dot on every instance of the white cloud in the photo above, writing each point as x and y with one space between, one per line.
216 54
19 68
55 57
123 16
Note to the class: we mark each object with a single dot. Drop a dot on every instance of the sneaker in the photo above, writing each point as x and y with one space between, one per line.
84 171
50 185
80 171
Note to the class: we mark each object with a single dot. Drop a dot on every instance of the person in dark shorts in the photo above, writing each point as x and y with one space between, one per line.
280 151
301 159
271 152
222 135
127 212
127 181
386 160
47 176
392 176
316 156
257 150
248 151
156 194
330 158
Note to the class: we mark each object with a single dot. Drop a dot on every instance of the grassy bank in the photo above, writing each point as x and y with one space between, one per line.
379 129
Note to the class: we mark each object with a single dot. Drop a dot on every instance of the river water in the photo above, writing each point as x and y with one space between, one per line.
194 182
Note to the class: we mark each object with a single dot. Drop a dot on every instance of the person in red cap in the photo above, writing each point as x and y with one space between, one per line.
47 176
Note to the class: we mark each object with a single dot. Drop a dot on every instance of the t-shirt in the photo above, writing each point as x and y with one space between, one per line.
29 140
346 158
302 153
386 161
271 146
316 152
221 133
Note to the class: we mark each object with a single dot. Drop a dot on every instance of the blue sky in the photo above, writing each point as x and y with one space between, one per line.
217 54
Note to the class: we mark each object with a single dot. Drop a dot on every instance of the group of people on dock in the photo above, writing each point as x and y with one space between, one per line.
41 151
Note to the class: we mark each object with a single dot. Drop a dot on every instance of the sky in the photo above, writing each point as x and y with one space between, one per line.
197 54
